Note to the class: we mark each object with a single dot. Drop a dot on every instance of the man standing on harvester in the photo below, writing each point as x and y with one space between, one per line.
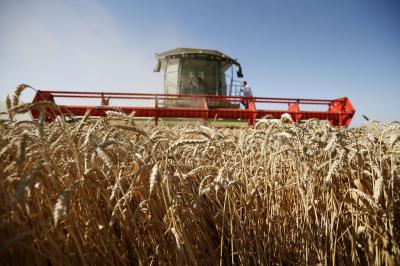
246 93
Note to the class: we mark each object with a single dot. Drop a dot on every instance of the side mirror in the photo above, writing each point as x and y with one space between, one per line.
239 72
157 67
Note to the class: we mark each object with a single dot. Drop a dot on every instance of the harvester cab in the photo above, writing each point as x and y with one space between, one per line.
189 71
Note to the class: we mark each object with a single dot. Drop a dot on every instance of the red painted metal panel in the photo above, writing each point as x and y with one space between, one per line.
339 111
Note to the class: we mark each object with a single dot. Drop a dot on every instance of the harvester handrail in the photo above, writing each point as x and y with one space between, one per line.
163 96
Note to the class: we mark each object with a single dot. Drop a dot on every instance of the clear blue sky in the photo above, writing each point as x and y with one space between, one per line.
288 48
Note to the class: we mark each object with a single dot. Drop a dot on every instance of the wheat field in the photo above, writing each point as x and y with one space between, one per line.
101 192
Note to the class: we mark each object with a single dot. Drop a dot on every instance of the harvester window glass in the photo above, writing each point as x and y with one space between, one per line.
171 76
200 76
231 86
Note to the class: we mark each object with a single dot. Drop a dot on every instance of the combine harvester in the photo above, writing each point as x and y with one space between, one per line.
198 84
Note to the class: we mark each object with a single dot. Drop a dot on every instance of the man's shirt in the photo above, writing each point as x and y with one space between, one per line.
247 91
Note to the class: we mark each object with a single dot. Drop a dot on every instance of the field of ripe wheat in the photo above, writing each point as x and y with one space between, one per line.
100 192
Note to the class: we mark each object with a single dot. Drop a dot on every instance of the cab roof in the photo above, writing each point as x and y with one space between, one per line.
192 51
